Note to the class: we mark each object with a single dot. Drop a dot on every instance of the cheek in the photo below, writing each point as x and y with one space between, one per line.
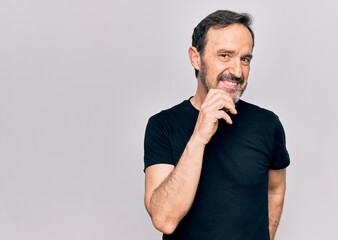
246 71
216 70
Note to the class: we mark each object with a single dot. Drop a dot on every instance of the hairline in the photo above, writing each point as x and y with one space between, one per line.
222 26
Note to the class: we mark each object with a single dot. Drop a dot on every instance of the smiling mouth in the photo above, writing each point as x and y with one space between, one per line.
230 84
229 81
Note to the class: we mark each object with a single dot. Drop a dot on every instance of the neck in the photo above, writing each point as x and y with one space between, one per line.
199 97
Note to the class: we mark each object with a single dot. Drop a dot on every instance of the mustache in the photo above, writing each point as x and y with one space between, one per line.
229 76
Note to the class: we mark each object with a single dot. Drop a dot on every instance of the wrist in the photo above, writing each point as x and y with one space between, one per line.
197 141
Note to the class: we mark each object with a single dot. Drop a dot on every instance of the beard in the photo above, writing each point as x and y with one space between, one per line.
235 94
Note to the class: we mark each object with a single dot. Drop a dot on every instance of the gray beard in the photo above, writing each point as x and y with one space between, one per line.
234 94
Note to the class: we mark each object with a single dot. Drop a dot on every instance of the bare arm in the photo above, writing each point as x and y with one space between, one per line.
276 192
170 191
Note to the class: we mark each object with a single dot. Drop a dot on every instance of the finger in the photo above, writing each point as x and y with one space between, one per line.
212 92
227 103
221 101
216 94
223 115
232 110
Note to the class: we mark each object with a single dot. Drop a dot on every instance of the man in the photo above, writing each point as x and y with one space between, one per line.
214 164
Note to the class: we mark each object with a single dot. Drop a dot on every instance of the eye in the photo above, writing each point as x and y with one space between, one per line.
224 56
246 60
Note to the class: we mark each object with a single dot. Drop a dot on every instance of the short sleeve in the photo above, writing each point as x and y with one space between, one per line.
280 157
157 147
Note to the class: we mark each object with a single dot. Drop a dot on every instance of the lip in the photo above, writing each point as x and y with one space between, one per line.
229 84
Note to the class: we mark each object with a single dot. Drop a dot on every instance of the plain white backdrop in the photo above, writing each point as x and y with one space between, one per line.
79 80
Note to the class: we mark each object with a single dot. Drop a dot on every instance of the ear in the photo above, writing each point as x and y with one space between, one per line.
195 58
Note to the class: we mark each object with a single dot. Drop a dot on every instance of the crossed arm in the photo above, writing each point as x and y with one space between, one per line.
169 190
168 203
276 192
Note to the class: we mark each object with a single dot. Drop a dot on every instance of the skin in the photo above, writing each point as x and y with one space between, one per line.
276 192
169 190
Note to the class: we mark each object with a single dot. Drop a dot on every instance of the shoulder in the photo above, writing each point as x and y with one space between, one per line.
176 112
175 121
255 111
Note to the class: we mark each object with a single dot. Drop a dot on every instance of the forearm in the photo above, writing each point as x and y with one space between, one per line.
276 201
170 191
171 200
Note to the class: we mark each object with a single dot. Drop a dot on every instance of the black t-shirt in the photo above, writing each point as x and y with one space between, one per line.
231 201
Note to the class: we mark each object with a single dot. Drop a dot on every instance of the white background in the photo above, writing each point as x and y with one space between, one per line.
79 79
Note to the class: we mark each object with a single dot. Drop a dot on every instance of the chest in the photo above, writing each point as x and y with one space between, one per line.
238 155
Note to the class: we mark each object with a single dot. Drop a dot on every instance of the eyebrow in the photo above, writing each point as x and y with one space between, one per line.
248 56
225 51
232 52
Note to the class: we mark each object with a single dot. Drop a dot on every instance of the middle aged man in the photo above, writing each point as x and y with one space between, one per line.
215 165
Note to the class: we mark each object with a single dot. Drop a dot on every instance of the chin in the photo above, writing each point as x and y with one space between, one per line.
235 94
236 99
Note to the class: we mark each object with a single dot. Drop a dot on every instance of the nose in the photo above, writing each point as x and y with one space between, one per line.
236 67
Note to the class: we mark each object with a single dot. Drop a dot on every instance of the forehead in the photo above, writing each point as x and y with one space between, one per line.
233 37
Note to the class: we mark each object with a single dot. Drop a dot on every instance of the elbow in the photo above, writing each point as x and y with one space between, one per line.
165 221
165 226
